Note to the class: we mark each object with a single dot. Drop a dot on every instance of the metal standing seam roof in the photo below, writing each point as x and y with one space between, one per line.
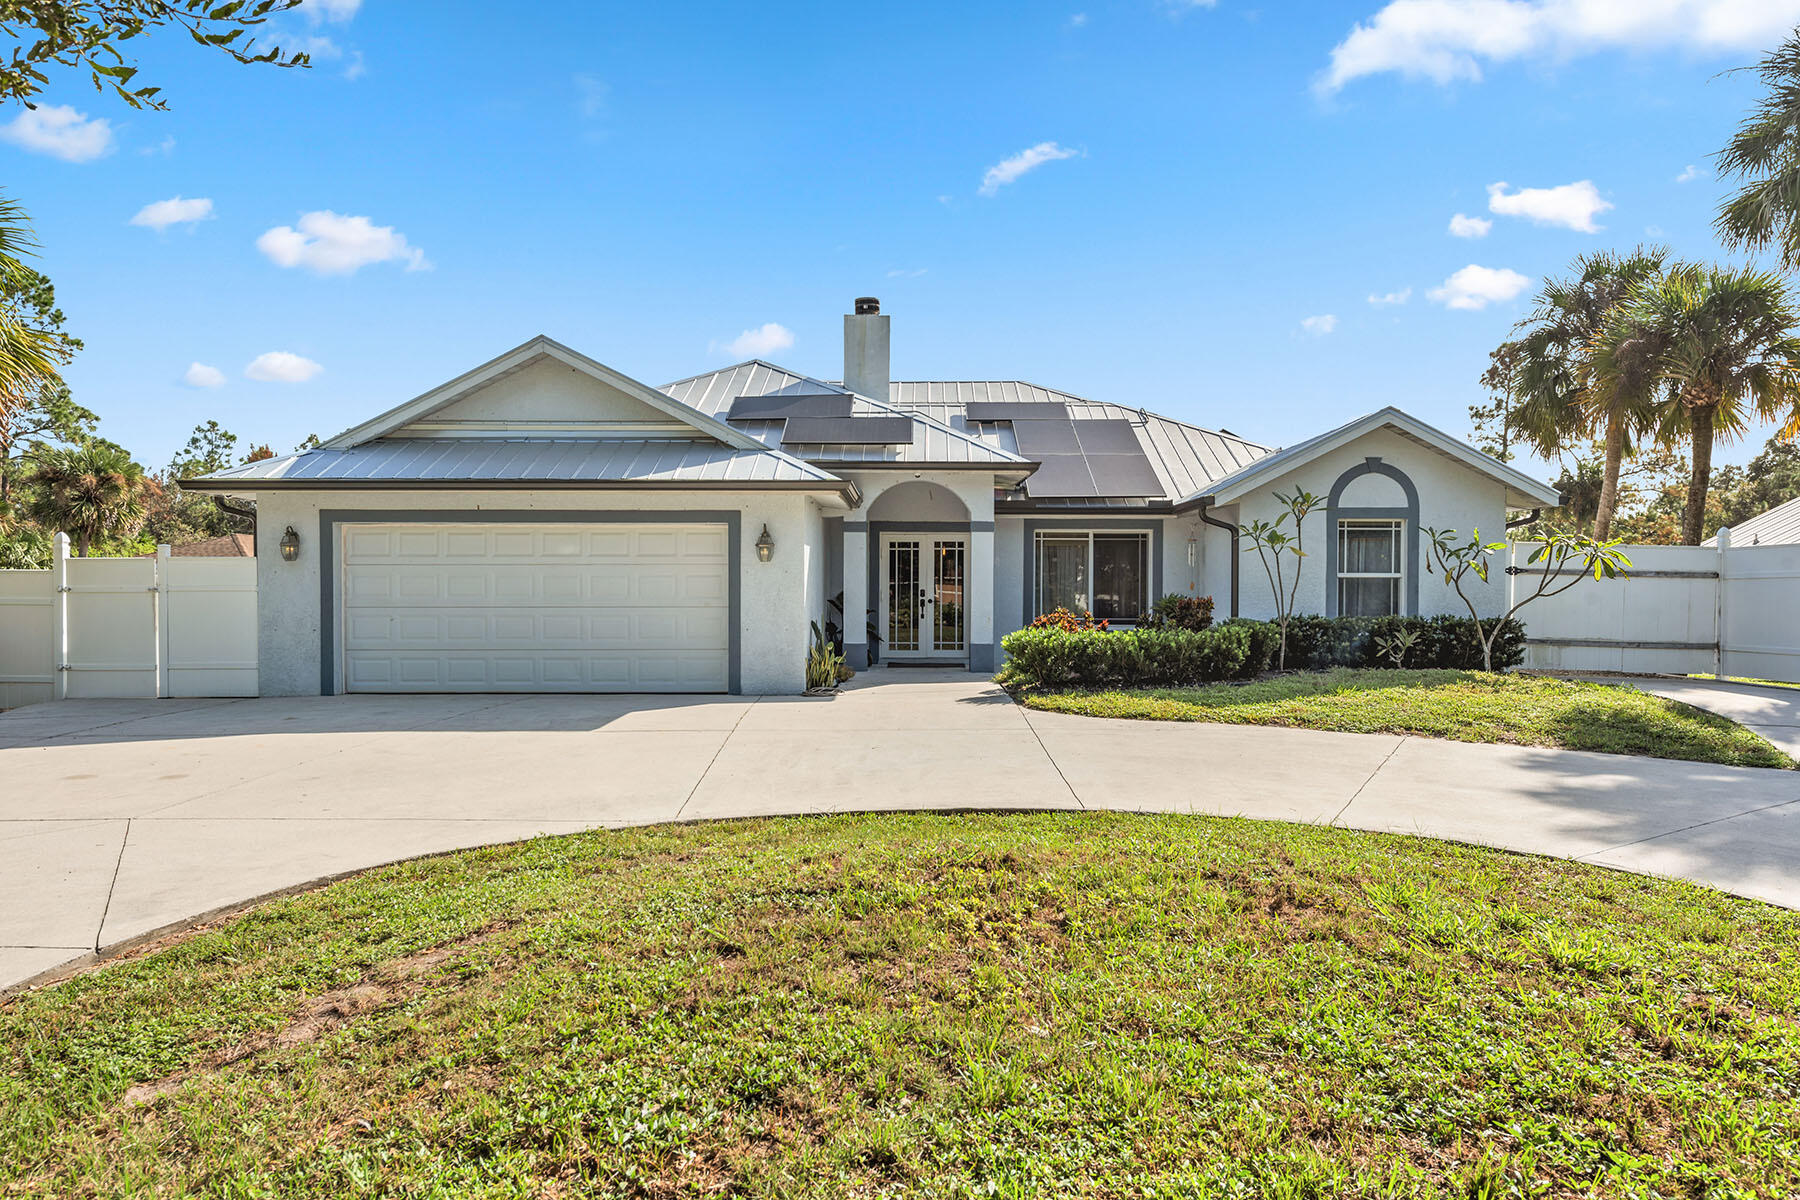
933 441
1780 526
1185 457
528 461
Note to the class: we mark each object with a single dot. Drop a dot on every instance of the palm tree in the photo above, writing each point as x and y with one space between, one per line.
1722 342
89 492
1765 155
1557 389
30 352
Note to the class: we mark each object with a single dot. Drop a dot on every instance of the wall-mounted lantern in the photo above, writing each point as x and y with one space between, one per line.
765 545
290 545
1193 550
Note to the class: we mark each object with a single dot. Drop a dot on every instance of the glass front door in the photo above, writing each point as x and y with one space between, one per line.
924 586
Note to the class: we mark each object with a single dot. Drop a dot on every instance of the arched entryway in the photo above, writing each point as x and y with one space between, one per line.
919 571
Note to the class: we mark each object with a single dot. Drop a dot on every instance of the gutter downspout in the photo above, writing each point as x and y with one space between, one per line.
1522 522
1233 530
230 506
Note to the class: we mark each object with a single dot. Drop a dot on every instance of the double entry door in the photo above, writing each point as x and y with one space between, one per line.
923 590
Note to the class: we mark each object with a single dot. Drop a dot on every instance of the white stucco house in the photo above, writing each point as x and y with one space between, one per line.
546 523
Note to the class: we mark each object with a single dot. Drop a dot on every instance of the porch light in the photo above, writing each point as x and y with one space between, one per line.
765 545
290 545
1193 550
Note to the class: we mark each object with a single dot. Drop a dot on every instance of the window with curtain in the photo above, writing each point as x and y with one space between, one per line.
1107 574
1369 568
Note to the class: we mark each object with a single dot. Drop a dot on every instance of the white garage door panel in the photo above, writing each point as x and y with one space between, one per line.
578 608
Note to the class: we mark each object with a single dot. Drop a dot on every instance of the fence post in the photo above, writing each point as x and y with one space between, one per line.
159 619
1719 606
59 617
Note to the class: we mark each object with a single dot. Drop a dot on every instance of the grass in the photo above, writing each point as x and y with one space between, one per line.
1746 679
1058 1004
1465 706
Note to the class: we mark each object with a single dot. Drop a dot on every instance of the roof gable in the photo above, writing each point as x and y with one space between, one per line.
1521 489
542 387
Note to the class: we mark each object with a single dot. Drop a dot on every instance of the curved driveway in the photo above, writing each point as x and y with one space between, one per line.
122 818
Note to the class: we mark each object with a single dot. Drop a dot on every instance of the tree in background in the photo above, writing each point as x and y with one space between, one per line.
32 349
42 411
92 34
92 492
1764 155
1493 421
1722 341
1561 384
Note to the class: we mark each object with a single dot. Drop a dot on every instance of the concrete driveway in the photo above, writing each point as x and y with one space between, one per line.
122 818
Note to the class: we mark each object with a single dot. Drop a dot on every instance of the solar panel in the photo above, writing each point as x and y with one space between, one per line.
1015 410
778 405
1060 476
1039 438
1111 436
1123 475
847 431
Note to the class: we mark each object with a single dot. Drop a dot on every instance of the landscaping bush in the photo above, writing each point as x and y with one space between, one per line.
1182 611
1037 658
1163 656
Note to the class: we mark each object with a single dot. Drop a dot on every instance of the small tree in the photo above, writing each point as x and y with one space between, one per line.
1456 561
1272 543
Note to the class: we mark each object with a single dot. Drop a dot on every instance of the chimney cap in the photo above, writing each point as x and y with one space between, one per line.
867 306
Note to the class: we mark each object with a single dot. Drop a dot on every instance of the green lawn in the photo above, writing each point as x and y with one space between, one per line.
1467 706
1060 1004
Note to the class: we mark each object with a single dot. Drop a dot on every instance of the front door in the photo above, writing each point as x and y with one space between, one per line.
924 579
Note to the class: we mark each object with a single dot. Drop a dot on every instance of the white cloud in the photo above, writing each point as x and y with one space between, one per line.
1449 40
60 131
1399 297
164 147
317 45
1571 205
901 273
278 366
1009 169
202 376
1077 20
1476 287
331 244
1469 227
756 343
1320 325
174 211
591 91
1690 174
331 10
355 69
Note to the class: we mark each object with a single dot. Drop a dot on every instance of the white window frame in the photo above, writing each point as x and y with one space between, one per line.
1398 526
1037 571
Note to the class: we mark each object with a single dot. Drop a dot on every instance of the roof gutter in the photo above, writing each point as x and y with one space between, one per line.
1233 531
851 494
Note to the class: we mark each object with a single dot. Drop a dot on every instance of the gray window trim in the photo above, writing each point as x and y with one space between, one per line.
331 518
1334 512
1028 578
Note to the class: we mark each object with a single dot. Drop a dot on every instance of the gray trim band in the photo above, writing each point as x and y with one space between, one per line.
1028 581
1409 567
331 518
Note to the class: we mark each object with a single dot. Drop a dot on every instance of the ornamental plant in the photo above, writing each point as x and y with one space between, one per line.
1067 620
1274 545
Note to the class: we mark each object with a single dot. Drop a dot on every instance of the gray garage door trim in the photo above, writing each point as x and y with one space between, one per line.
330 519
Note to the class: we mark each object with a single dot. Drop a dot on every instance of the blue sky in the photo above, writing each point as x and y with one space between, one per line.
649 182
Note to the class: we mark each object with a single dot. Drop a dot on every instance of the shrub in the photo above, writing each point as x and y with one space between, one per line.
1046 656
1182 612
1066 620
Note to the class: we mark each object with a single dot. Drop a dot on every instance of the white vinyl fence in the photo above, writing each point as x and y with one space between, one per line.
1683 610
127 627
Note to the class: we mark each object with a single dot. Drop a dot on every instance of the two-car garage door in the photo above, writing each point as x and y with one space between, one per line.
534 608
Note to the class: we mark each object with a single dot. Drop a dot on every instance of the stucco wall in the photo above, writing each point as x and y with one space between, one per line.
777 598
1451 496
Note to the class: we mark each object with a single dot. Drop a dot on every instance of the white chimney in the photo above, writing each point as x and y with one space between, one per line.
866 350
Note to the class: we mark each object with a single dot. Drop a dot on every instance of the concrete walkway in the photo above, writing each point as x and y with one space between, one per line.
122 818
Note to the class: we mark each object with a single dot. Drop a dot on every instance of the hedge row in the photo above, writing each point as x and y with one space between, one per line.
1238 649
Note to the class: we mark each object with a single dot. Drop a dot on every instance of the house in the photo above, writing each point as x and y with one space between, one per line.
546 523
1780 526
230 545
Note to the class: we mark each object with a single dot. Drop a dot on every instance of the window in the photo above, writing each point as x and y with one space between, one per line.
1369 568
1107 574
